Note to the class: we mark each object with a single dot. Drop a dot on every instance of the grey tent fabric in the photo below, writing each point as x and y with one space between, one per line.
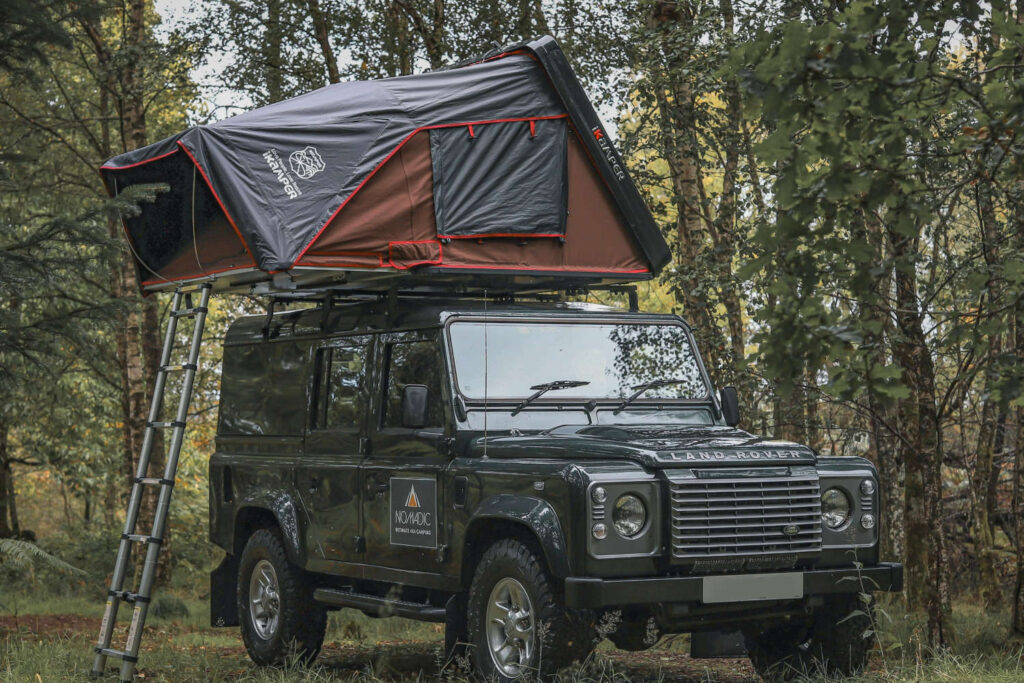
281 172
504 179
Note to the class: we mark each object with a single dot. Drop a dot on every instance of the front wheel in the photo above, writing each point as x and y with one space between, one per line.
276 611
517 624
835 641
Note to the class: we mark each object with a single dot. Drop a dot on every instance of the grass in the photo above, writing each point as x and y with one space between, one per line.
49 638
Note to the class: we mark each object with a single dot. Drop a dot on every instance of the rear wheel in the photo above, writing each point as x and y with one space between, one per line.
517 624
832 642
276 611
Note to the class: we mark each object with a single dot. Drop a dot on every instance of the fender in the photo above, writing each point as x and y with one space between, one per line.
285 512
536 515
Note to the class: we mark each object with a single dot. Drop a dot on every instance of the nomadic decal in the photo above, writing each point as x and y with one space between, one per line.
414 512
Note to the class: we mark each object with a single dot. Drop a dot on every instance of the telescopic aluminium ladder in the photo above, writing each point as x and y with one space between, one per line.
129 656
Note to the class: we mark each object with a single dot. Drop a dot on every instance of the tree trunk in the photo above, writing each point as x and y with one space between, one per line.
725 248
926 567
676 121
5 475
273 60
984 538
142 324
876 314
321 29
1017 225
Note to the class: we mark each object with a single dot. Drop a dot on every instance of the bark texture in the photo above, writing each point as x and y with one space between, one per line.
926 565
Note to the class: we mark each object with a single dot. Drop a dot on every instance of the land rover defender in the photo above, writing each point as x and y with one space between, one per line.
518 471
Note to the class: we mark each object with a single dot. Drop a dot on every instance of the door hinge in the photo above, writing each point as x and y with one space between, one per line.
442 553
359 544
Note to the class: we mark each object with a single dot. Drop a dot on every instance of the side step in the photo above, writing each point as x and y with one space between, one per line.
385 607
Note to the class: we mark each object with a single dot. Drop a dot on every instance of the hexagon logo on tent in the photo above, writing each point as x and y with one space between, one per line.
306 162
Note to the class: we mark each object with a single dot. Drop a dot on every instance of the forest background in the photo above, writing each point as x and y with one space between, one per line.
841 184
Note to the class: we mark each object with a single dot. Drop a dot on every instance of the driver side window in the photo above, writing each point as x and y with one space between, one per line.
412 362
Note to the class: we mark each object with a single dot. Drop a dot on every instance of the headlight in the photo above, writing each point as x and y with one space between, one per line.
835 508
629 516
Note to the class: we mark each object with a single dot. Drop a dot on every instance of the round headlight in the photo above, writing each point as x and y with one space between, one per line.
867 487
868 521
629 515
835 508
599 494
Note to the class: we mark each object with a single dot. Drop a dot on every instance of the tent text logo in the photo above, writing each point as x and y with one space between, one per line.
273 160
306 162
613 161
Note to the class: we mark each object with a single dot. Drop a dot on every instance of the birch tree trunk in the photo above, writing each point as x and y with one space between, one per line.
926 566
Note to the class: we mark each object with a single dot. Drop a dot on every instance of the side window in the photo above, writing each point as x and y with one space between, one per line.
340 402
413 362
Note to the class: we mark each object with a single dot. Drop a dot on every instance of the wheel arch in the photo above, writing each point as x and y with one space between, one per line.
272 511
530 520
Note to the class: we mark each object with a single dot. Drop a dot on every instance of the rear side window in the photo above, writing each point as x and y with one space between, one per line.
264 389
340 396
413 362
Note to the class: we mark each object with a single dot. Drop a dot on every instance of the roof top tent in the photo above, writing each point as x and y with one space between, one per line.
495 173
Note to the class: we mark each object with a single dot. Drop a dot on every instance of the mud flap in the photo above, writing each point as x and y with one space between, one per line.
223 593
456 631
717 644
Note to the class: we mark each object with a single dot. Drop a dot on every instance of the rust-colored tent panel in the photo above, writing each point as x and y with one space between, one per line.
391 223
492 171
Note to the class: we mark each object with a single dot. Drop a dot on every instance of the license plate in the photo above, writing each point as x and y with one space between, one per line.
751 587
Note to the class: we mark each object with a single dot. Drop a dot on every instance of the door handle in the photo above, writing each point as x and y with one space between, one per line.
314 484
378 490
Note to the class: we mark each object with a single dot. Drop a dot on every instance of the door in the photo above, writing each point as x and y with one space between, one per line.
328 478
402 506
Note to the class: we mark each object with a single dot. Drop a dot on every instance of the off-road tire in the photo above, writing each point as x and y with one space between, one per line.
566 636
832 642
302 622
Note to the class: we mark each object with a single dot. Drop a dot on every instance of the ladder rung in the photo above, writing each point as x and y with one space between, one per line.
185 312
178 368
165 425
128 596
154 480
111 652
140 538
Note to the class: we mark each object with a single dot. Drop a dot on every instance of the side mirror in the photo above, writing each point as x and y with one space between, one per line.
414 406
730 405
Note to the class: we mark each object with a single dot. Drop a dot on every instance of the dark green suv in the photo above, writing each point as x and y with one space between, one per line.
534 475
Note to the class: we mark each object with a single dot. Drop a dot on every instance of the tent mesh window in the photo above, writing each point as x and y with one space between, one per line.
504 179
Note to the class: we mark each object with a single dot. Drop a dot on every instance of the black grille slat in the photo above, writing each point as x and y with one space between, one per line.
745 517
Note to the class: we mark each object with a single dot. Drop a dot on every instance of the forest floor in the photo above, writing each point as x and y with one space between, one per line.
50 639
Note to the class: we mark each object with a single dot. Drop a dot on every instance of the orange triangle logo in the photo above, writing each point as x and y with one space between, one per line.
413 501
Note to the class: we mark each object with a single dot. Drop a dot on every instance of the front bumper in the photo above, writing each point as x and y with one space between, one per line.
585 592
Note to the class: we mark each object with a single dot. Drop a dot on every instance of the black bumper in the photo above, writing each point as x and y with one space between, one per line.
586 592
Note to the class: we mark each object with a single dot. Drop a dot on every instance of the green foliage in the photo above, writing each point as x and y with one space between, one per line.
21 560
876 124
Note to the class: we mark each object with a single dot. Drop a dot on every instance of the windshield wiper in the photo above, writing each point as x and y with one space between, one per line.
542 389
646 386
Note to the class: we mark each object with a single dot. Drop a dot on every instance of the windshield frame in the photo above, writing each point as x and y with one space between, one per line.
552 398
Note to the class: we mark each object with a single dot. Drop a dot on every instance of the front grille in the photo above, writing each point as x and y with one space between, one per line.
733 517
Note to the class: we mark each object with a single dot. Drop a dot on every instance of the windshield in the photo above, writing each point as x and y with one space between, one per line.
612 358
